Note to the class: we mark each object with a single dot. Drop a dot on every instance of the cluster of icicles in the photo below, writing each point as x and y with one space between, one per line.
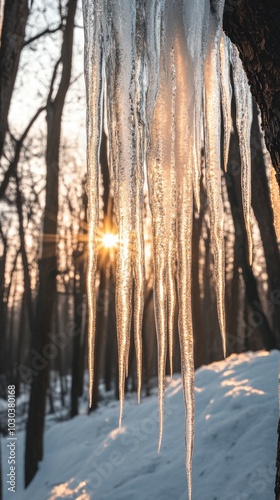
159 70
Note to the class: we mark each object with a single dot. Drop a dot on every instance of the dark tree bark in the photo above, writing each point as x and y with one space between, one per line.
48 261
253 26
110 355
198 327
3 325
76 344
12 40
21 340
100 329
232 306
149 339
233 181
79 259
213 344
261 204
25 264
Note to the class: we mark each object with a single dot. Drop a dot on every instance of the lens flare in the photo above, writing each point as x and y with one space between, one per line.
109 240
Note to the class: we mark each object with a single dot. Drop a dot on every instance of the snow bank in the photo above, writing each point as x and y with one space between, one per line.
235 443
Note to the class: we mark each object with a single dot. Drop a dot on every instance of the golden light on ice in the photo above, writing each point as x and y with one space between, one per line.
109 240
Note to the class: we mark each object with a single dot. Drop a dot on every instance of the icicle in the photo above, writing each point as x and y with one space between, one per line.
171 258
196 29
93 75
140 121
213 172
185 209
120 79
159 161
153 27
243 123
226 93
171 292
184 102
164 67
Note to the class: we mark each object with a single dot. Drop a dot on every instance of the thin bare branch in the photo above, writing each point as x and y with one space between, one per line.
19 143
47 31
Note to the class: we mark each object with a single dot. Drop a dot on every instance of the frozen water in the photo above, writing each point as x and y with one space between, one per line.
161 70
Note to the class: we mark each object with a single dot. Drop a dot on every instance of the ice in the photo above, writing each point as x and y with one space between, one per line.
123 46
243 123
226 93
213 168
94 88
162 69
184 142
138 213
172 249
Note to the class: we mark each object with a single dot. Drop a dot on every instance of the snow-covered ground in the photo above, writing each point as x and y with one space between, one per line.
89 458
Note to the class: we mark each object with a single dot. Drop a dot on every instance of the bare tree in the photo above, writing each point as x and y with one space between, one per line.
48 260
12 40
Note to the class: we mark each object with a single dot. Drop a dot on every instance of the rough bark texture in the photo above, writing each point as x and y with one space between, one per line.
3 326
253 26
199 339
261 204
79 292
233 182
12 40
24 258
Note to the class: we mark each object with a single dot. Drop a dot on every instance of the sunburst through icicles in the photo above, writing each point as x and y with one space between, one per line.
160 73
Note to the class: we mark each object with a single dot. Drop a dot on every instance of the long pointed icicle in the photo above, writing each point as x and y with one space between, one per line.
138 214
226 94
243 124
213 171
196 30
93 75
123 38
184 108
171 258
160 198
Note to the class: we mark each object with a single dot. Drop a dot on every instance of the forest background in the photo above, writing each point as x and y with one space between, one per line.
43 237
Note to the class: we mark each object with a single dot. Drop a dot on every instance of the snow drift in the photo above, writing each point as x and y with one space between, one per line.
236 409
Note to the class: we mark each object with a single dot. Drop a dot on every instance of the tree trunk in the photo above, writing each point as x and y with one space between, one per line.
12 39
253 26
101 321
48 261
149 339
199 337
79 290
232 307
3 316
261 204
21 340
25 264
234 194
111 336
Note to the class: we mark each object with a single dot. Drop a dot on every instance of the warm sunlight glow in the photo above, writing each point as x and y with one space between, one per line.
110 240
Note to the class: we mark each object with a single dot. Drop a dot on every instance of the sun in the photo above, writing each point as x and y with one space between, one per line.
110 240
